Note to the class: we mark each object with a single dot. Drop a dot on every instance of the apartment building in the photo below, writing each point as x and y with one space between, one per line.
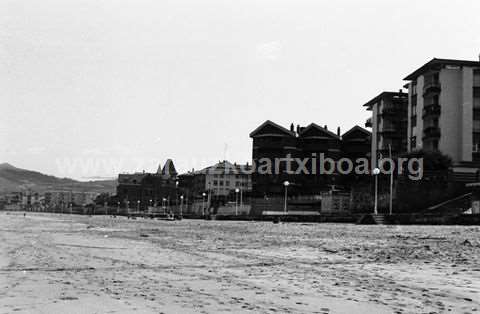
274 142
144 189
389 123
219 180
65 198
444 109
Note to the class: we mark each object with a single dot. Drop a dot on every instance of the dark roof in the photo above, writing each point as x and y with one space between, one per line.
436 62
356 128
383 95
268 122
316 126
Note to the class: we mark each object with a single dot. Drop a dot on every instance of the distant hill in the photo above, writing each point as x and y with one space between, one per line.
14 179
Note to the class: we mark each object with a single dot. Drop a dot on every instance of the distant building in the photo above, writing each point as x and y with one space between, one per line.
219 180
140 190
67 198
389 124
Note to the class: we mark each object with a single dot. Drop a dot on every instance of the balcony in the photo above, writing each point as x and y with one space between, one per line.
431 110
390 111
388 129
431 132
433 86
368 123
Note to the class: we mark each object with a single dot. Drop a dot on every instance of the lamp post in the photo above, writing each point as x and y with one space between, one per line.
164 200
118 208
203 203
181 206
236 201
176 194
105 206
138 206
376 172
285 184
128 208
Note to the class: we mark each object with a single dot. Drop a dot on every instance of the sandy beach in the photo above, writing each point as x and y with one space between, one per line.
77 264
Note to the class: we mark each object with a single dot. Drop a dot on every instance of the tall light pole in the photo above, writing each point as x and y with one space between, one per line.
176 194
203 203
181 206
118 208
391 180
138 206
236 201
376 172
285 184
164 200
128 208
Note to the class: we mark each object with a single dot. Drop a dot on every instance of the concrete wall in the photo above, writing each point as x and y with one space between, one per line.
450 121
467 114
418 131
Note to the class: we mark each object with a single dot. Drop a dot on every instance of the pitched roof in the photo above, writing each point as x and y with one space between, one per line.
383 95
273 124
356 128
438 62
317 127
169 169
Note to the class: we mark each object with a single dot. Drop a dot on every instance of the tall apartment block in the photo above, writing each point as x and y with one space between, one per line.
444 110
389 123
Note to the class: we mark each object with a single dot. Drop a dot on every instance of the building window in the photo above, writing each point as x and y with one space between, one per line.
221 183
413 142
413 121
227 183
476 78
215 182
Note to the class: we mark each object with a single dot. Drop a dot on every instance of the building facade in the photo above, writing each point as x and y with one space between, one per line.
444 109
67 198
313 142
140 190
389 123
218 181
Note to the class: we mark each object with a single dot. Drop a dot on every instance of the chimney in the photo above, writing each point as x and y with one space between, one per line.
325 127
292 127
298 128
338 131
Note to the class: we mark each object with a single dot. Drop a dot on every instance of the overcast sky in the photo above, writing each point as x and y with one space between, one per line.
91 88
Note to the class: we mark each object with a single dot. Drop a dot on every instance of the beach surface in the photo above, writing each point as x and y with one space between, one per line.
52 263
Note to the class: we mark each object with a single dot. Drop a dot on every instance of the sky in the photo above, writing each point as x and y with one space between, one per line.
90 89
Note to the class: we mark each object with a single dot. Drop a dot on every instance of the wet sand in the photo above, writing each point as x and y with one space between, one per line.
77 264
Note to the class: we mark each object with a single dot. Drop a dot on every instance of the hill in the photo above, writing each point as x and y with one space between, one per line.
14 179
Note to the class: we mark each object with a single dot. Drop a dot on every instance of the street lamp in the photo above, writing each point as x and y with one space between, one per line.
118 208
236 201
203 203
128 208
181 206
376 172
285 184
138 206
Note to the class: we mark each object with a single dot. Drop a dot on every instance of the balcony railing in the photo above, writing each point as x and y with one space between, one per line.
368 123
431 110
433 86
388 129
431 132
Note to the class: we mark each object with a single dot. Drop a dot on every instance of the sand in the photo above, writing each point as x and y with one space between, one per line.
51 263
